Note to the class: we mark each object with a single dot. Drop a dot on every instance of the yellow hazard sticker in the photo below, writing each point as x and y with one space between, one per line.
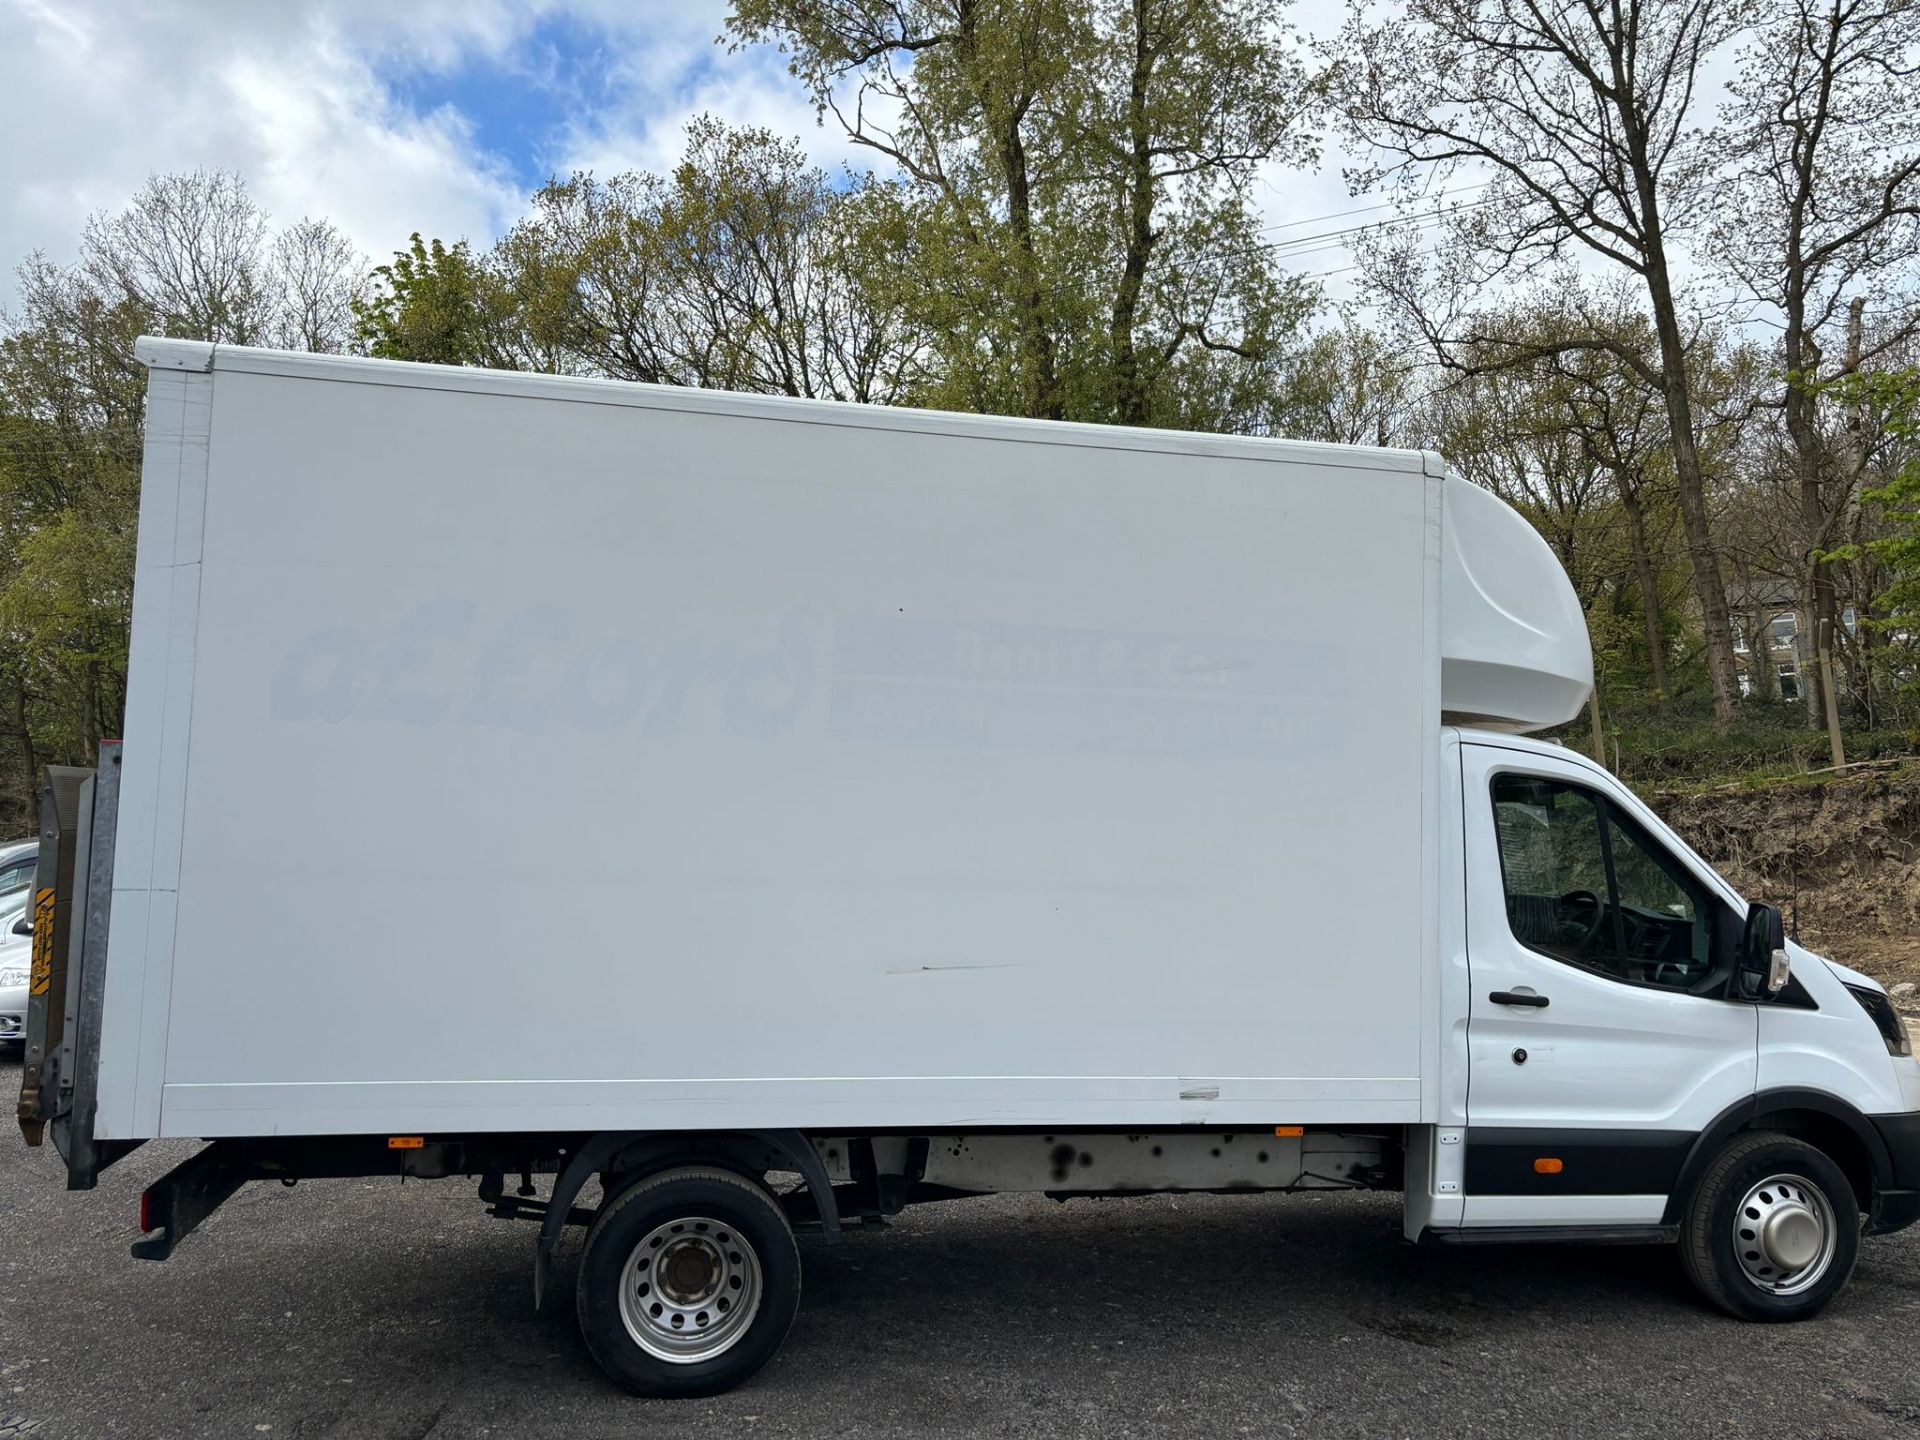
41 980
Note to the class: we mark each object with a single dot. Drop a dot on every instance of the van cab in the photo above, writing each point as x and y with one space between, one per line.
1639 1054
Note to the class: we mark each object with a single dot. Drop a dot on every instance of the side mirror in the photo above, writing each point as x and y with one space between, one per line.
1764 966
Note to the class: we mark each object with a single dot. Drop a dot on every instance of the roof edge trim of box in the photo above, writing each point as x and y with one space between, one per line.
198 355
162 354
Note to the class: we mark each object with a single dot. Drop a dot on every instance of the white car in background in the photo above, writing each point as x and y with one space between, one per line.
17 859
16 939
16 944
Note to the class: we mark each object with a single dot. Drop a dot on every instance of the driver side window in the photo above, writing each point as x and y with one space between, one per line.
1586 885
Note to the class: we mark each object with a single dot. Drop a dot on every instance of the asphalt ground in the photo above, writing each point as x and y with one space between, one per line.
376 1309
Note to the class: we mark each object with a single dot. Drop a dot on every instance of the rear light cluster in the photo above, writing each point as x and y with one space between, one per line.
1892 1028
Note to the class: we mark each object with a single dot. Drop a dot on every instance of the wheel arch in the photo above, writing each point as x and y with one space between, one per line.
634 1154
1831 1125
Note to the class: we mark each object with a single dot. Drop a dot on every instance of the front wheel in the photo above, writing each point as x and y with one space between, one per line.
1772 1229
689 1283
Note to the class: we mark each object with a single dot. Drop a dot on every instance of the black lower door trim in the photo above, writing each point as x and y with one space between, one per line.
1504 1161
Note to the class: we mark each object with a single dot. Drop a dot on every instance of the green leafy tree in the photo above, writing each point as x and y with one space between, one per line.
1349 385
1075 194
433 303
71 397
1893 399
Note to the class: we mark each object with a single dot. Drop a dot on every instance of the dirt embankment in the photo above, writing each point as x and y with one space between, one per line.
1844 855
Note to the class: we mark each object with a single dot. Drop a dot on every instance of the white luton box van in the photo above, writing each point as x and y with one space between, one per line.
921 805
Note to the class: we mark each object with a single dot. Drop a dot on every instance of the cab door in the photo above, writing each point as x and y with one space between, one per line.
1600 1042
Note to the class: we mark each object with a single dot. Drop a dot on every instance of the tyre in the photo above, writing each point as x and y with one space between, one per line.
689 1282
1772 1229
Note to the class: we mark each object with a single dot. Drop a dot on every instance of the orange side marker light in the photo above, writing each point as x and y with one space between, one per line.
1547 1165
407 1142
1289 1132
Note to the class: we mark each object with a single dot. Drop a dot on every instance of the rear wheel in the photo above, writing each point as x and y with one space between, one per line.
1772 1229
689 1282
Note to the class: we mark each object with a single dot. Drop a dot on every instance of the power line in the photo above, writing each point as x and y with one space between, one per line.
1302 245
1411 222
1369 209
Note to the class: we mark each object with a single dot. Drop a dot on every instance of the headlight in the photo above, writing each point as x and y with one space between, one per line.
12 977
1893 1029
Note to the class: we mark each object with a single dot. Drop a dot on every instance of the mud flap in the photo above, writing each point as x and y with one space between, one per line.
178 1201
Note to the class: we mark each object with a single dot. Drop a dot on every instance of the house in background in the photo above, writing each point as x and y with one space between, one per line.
1769 647
1774 668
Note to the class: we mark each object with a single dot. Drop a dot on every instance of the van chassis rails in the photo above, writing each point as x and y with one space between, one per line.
865 1177
178 1202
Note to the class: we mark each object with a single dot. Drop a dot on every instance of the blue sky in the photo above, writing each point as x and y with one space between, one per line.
521 105
515 106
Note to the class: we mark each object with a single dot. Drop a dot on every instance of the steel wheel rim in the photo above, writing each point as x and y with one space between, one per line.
1784 1235
690 1289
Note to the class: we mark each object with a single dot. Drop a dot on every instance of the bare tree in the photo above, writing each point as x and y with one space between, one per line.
1821 216
190 250
1576 116
198 259
1077 172
316 275
744 268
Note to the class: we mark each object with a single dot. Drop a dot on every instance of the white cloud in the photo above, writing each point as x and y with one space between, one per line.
94 100
647 132
672 71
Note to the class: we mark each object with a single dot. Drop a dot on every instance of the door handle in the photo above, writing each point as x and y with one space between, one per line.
1515 997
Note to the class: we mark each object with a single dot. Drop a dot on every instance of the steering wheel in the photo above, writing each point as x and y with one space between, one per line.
1586 898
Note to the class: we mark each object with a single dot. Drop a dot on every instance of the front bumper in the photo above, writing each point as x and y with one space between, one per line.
1897 1206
